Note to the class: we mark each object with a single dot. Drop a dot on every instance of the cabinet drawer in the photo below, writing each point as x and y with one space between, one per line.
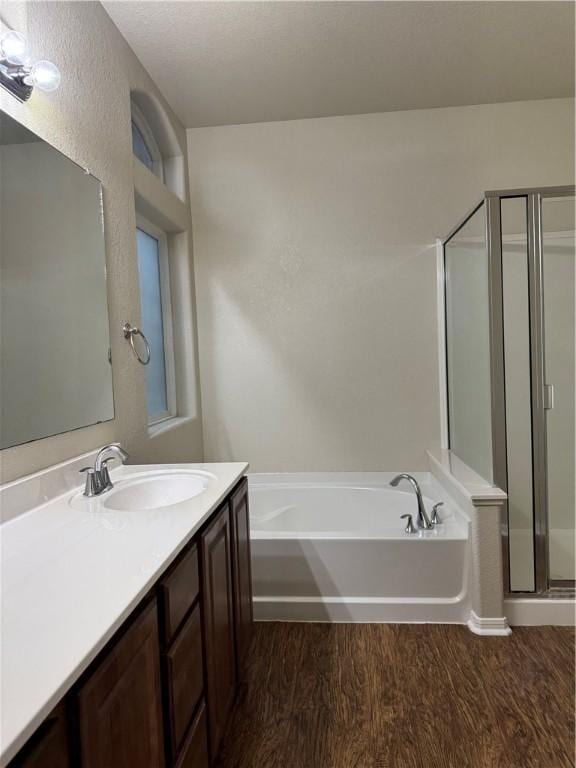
195 749
178 590
185 677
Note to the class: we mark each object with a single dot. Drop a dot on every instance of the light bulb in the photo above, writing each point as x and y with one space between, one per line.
44 75
14 48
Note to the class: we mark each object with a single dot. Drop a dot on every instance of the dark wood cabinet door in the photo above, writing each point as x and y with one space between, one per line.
217 593
194 753
241 571
48 747
119 707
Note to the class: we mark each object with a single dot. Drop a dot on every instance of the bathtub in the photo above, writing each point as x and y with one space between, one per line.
332 547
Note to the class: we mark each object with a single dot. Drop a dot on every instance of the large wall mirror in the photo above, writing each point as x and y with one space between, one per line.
55 365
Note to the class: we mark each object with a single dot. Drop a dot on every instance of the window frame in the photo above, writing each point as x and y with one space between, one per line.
167 320
137 117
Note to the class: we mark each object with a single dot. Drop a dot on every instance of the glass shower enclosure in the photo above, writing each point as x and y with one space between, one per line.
510 318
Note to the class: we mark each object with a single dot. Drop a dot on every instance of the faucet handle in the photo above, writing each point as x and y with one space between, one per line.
435 520
409 525
105 481
92 487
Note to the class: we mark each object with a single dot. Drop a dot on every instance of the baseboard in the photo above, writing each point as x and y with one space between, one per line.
489 627
532 612
377 610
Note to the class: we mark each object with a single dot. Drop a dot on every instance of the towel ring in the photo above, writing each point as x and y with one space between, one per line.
129 333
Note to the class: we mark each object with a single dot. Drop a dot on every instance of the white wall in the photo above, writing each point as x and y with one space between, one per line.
316 272
88 119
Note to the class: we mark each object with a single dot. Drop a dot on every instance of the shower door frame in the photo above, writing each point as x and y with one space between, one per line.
544 587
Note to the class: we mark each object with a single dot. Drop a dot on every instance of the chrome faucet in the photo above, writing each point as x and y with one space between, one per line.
423 521
98 477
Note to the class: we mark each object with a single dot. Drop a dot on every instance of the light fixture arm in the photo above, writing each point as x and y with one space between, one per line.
12 79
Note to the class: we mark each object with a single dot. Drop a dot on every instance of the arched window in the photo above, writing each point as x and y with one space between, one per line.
156 144
144 144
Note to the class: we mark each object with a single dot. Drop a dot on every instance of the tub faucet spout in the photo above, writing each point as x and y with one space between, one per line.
423 520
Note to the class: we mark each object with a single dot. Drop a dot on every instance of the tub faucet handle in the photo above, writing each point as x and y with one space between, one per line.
435 520
409 525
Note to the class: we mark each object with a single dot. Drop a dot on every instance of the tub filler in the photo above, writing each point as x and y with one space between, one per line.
332 547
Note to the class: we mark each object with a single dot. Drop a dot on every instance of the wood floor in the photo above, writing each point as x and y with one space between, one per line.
403 696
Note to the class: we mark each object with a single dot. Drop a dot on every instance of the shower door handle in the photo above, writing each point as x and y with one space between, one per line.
548 397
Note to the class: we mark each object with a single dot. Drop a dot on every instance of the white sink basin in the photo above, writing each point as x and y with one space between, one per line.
150 490
155 491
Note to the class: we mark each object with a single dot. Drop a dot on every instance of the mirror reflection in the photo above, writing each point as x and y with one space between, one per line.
55 368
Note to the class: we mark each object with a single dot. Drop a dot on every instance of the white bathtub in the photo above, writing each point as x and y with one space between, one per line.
332 547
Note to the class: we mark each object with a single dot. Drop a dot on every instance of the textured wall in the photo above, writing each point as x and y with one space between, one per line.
316 282
88 119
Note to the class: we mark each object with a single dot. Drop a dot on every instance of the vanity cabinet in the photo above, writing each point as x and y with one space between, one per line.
48 748
120 706
218 602
160 693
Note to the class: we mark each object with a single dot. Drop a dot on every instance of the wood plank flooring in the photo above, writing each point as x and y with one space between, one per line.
403 696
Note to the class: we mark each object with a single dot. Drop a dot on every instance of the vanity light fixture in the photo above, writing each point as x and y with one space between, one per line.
18 74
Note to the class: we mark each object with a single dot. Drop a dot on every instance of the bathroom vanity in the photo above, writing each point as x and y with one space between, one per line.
138 663
126 607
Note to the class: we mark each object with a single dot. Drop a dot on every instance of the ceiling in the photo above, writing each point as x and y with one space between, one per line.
222 63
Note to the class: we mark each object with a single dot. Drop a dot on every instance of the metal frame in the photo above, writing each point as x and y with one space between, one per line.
464 220
562 191
497 368
544 587
539 474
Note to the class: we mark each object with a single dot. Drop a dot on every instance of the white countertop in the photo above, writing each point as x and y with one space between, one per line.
69 579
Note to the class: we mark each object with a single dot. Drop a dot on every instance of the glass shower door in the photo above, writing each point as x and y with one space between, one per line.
558 292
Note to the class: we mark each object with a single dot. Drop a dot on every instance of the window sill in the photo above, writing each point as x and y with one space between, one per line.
154 430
